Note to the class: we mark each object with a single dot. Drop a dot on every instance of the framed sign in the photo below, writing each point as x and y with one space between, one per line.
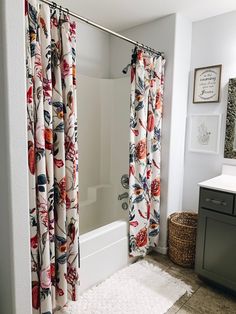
204 135
207 84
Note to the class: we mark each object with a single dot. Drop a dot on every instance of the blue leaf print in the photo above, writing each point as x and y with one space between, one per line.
42 179
60 127
62 259
138 199
58 104
139 106
137 186
61 239
154 233
41 188
47 117
156 215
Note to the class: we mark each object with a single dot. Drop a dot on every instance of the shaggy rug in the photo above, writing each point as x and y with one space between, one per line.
141 288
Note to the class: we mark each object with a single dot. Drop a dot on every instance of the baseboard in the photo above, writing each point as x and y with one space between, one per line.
161 249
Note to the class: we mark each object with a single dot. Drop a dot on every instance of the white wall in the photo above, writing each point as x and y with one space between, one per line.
213 42
15 288
182 59
93 47
93 51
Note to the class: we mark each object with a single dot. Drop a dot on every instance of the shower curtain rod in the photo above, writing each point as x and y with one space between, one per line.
136 43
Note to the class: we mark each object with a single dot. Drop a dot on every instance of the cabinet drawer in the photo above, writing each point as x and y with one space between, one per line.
218 201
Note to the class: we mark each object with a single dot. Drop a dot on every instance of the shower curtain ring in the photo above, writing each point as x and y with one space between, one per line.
54 5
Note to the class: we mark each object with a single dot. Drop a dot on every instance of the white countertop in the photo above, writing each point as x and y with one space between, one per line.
224 182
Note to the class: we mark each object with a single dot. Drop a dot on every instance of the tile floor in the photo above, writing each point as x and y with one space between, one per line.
204 299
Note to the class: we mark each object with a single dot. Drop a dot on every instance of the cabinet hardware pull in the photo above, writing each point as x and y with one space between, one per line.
216 202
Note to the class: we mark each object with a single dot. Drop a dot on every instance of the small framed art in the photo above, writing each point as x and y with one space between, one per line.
204 135
206 87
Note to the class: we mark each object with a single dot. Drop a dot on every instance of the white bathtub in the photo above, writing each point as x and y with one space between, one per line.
103 251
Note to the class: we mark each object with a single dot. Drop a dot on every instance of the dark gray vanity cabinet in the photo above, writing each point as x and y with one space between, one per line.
216 237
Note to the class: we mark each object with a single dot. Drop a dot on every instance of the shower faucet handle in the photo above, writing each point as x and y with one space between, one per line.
122 196
125 181
124 206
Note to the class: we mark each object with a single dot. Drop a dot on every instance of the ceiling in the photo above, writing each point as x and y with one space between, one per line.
122 14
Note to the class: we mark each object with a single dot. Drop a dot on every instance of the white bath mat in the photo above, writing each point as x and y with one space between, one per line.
141 288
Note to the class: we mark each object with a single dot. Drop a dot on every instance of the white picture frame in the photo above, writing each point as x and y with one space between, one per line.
204 133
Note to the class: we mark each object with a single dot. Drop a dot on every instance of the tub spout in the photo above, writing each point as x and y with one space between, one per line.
124 195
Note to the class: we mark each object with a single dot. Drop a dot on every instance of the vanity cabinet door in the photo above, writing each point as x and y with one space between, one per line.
216 248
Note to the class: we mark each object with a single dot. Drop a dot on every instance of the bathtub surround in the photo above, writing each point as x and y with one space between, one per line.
140 288
52 156
104 248
105 157
147 82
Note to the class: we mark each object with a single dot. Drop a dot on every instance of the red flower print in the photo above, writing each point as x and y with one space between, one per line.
141 149
73 28
140 55
73 295
48 134
54 21
35 295
131 170
34 242
134 223
70 150
68 202
52 269
60 292
31 157
58 163
65 68
44 27
72 275
136 132
62 187
45 278
148 174
155 187
47 88
150 122
30 95
158 100
44 216
141 237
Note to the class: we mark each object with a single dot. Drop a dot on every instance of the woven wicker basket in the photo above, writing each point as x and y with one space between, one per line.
182 230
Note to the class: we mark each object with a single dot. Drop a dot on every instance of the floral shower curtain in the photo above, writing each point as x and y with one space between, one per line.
147 79
52 156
